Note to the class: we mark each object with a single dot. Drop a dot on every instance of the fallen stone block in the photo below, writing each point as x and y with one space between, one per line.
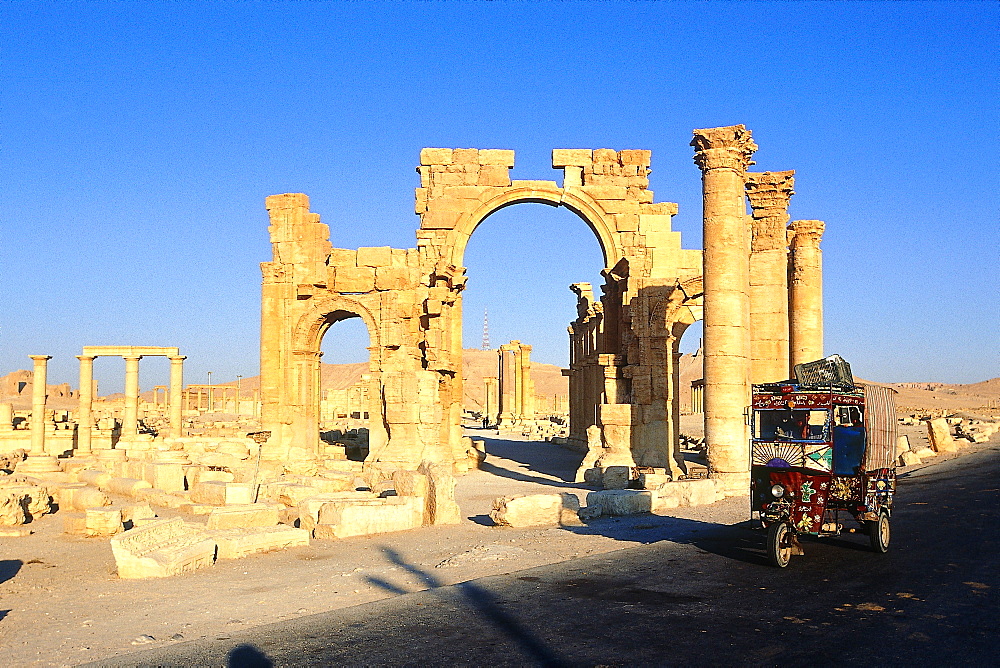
222 493
309 508
440 505
617 502
124 486
168 477
158 497
35 500
536 510
81 497
398 513
244 516
615 477
908 459
12 508
237 543
103 521
653 480
924 453
197 509
14 532
939 435
161 549
333 481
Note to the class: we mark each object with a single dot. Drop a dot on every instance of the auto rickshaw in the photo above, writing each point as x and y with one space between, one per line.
822 449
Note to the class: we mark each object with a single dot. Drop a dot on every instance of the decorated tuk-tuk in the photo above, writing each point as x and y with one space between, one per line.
822 450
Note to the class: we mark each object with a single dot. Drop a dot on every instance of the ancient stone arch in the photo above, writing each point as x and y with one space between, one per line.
623 372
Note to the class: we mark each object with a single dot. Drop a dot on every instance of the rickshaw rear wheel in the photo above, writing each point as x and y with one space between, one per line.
879 533
779 544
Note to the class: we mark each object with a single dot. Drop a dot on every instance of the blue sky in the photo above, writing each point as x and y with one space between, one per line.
138 141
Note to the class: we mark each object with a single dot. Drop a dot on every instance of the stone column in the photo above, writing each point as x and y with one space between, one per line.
38 396
490 399
518 378
769 194
84 413
723 154
805 291
507 386
176 389
524 386
130 419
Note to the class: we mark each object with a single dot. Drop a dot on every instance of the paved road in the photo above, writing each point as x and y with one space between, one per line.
702 597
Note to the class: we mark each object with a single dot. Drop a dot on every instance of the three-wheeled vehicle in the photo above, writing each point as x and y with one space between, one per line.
822 448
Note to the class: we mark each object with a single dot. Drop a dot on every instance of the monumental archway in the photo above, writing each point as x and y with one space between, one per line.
622 371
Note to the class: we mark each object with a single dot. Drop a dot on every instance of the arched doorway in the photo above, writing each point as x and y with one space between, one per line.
345 387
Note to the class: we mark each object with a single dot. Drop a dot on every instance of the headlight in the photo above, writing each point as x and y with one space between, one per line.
777 491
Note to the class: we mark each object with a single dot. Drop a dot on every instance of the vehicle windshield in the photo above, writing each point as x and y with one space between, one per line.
790 425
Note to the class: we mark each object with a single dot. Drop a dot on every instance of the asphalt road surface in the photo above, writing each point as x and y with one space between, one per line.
696 594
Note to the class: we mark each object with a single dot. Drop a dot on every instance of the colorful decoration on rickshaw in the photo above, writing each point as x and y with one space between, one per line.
778 455
845 488
818 457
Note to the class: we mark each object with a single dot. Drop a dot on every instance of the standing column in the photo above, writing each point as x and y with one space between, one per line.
38 396
524 386
723 154
84 414
518 385
769 194
507 386
490 399
176 389
805 291
130 420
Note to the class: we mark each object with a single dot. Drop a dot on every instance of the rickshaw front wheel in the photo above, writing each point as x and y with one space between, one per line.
879 533
779 544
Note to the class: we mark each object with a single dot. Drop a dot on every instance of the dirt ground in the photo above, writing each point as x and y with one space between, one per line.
62 604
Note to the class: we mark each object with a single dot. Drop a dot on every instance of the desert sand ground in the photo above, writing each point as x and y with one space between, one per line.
62 604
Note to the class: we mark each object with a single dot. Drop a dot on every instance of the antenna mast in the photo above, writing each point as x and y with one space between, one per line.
486 330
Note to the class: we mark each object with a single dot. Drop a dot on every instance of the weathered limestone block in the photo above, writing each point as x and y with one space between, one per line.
197 509
161 549
536 510
391 514
309 508
410 483
616 502
688 493
925 453
219 459
908 458
380 256
902 445
158 497
124 486
81 498
103 521
95 478
11 508
242 516
441 506
495 156
355 279
615 477
332 481
939 434
168 477
135 512
238 543
653 480
35 499
222 493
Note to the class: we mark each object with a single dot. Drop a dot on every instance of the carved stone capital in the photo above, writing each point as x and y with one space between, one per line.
729 147
770 190
807 232
769 194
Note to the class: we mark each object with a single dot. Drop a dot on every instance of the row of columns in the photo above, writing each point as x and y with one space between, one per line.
762 303
516 391
85 421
